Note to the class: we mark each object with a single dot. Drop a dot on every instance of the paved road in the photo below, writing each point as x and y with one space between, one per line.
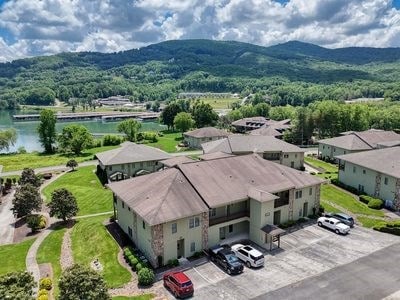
6 220
371 277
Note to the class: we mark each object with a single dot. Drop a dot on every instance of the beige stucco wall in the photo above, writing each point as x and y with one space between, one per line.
196 142
132 168
332 151
368 180
296 157
183 232
240 225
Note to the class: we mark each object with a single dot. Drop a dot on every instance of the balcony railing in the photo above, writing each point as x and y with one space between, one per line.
230 217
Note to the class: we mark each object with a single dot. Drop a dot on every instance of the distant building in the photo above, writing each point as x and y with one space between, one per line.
375 173
196 137
267 147
195 95
357 141
130 160
267 131
249 124
113 101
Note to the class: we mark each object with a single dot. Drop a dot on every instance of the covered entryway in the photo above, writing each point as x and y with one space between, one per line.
272 236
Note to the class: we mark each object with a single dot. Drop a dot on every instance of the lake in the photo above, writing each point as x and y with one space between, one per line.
28 137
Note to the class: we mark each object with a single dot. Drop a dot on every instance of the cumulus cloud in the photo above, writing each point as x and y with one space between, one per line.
52 26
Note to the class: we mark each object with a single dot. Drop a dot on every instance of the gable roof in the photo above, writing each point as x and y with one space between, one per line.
130 152
160 197
249 143
206 132
362 140
386 161
214 155
258 122
176 160
266 130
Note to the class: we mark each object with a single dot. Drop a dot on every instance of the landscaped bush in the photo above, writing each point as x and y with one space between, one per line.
43 297
287 224
133 262
145 276
388 227
127 252
36 222
139 266
45 283
312 173
173 262
112 140
43 292
375 204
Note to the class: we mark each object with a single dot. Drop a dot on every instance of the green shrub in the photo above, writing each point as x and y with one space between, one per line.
139 266
375 204
312 173
133 262
45 283
197 254
112 140
43 292
43 297
173 262
145 277
365 199
36 222
388 227
301 220
127 252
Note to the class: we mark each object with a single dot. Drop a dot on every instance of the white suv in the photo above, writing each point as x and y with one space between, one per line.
251 256
333 224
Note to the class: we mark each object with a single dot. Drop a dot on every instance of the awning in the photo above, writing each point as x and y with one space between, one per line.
272 230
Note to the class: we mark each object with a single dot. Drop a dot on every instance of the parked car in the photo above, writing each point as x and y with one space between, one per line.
346 219
226 259
250 256
333 224
179 284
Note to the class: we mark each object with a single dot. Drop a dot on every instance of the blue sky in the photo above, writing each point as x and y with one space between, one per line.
44 27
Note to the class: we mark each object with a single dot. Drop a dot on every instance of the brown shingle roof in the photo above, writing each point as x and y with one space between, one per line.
206 132
174 161
160 197
348 142
131 152
386 161
214 155
249 143
268 131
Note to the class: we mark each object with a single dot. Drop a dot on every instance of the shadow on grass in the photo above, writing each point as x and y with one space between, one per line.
118 235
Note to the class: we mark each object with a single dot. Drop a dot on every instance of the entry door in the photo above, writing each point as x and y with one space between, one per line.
180 247
305 209
222 233
277 217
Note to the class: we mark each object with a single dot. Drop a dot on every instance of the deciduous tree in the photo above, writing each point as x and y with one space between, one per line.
72 164
8 138
75 138
26 200
17 285
130 128
168 114
183 122
63 204
28 176
204 115
47 130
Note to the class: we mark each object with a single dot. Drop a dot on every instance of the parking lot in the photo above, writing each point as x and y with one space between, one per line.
305 253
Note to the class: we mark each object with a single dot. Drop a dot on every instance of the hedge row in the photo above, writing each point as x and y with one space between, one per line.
372 202
388 227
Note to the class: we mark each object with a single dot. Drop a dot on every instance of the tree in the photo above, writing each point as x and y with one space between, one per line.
17 285
130 128
47 130
204 115
75 138
63 204
8 138
26 200
168 114
80 282
28 176
72 164
183 122
155 106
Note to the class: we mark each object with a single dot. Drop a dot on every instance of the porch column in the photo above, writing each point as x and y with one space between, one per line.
204 229
291 203
157 243
378 179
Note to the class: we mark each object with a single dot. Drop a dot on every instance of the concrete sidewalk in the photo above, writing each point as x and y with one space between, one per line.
7 220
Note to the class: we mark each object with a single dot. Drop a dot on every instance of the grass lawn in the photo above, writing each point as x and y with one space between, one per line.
333 194
50 252
35 160
317 163
13 256
328 207
220 103
91 240
168 141
369 222
91 196
140 297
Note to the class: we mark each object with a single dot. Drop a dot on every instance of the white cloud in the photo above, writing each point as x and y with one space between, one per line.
52 26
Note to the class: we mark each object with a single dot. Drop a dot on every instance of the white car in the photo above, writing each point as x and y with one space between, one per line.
250 256
333 224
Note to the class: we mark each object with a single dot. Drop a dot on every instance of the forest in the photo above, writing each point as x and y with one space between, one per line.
293 73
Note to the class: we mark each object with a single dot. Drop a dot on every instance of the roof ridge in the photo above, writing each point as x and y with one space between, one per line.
356 134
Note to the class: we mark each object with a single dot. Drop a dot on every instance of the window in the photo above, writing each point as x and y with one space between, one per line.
364 171
286 156
123 204
386 180
174 228
334 149
323 147
110 168
144 225
361 188
192 246
130 231
310 192
299 194
344 152
213 212
230 228
194 222
129 208
123 167
354 169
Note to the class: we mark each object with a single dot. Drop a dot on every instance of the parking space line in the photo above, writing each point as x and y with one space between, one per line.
209 281
218 268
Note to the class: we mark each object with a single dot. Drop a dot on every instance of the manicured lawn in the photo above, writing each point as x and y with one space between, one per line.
333 194
321 164
220 103
168 141
140 297
50 252
13 256
35 160
368 222
90 241
328 207
83 183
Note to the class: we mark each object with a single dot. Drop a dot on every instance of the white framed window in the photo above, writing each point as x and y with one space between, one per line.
386 180
213 212
310 192
192 247
194 222
354 169
285 155
174 228
299 194
364 171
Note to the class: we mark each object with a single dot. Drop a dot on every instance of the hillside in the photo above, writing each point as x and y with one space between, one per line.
179 65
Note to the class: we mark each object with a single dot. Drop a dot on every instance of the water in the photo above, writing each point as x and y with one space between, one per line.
28 137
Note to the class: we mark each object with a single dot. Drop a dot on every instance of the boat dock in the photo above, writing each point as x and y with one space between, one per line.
104 116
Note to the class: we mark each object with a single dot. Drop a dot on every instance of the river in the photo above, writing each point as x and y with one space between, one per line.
28 137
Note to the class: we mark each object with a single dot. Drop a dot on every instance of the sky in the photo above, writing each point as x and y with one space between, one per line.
45 27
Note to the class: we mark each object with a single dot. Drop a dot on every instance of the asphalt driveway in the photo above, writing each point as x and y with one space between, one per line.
6 220
307 253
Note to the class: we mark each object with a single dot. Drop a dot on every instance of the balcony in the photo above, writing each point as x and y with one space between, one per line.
230 217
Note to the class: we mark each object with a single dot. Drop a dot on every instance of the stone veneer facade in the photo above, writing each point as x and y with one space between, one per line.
397 195
317 197
204 229
291 203
157 241
378 179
